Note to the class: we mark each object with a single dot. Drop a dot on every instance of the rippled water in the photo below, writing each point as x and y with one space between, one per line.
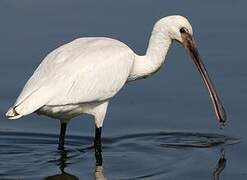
162 127
150 155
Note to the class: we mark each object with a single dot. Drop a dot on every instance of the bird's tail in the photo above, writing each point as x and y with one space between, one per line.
29 105
26 107
13 114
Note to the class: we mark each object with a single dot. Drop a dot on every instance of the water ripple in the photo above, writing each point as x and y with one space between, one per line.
156 154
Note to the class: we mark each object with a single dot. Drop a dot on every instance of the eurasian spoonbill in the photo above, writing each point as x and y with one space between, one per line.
82 76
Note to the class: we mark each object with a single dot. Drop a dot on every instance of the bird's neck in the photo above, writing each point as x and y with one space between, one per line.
150 63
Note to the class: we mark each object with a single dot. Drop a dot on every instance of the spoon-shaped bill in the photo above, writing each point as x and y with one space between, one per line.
190 46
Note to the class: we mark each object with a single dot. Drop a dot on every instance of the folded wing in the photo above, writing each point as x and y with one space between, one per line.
85 70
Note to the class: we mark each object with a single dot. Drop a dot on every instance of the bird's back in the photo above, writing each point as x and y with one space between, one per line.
84 70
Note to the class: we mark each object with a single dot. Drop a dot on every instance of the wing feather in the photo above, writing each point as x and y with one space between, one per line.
85 70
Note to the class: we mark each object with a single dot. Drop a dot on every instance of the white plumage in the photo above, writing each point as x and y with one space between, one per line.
81 76
86 70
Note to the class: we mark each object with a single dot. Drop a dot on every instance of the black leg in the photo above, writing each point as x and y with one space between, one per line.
97 140
62 136
98 158
97 146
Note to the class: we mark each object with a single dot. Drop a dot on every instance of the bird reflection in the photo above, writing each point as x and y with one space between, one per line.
99 166
62 165
66 176
220 166
98 173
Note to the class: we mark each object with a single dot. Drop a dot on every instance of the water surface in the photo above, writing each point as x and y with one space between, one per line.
155 155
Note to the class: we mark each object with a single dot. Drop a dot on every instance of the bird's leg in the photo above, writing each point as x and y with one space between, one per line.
97 140
98 158
97 146
62 136
100 111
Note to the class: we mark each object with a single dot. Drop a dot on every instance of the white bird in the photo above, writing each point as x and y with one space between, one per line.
82 76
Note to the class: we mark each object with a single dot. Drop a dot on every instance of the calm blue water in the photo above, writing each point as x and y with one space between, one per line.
162 127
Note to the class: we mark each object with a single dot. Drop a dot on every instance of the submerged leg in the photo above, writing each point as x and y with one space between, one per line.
62 136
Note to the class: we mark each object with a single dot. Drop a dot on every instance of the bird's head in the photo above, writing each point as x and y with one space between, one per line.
179 29
176 26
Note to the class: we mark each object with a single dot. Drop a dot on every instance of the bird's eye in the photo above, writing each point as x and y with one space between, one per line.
182 30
